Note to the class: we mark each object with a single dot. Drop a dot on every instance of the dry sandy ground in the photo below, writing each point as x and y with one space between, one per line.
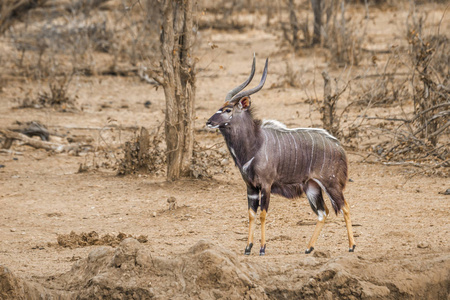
401 222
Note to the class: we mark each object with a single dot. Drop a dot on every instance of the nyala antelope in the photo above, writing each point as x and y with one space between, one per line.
275 159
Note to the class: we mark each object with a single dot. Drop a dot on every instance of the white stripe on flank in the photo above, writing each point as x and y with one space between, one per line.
279 147
324 152
273 137
265 145
312 153
253 197
232 152
283 159
295 145
302 140
247 164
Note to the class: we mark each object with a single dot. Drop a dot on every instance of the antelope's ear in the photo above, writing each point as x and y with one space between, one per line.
244 103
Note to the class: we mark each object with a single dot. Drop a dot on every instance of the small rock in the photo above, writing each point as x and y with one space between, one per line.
99 253
147 104
172 203
447 192
423 245
13 230
154 214
2 166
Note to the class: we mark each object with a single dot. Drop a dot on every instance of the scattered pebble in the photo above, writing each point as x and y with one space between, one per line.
13 230
447 192
147 104
2 166
423 245
154 214
172 203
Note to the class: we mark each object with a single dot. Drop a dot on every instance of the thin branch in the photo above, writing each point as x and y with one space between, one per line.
153 74
440 130
385 119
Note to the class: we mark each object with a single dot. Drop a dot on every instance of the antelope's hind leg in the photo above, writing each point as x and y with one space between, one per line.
348 224
253 203
315 198
338 197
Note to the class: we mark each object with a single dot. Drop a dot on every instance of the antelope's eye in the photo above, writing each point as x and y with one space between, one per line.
227 110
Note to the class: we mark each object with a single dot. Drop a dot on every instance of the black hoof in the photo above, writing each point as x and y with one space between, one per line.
352 249
308 251
248 249
262 251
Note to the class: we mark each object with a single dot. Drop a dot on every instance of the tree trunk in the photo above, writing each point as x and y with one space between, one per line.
179 85
317 9
294 25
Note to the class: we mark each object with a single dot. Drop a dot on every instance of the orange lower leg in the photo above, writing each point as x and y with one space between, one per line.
251 230
262 217
348 224
319 225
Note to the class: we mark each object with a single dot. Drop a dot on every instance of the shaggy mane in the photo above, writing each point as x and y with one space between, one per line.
278 126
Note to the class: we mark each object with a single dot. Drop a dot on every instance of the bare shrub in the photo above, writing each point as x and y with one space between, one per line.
416 131
223 14
291 30
144 154
209 161
432 92
12 10
333 29
386 85
56 96
341 37
55 49
328 107
289 78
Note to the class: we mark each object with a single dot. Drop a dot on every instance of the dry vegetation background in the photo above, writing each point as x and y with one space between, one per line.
79 107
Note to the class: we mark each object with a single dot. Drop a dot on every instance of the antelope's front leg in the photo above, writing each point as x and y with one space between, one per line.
265 198
253 203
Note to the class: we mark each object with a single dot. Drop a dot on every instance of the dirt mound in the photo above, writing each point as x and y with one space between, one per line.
12 287
73 240
355 278
208 271
128 271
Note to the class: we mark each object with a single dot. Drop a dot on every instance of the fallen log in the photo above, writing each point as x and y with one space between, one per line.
38 144
31 129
